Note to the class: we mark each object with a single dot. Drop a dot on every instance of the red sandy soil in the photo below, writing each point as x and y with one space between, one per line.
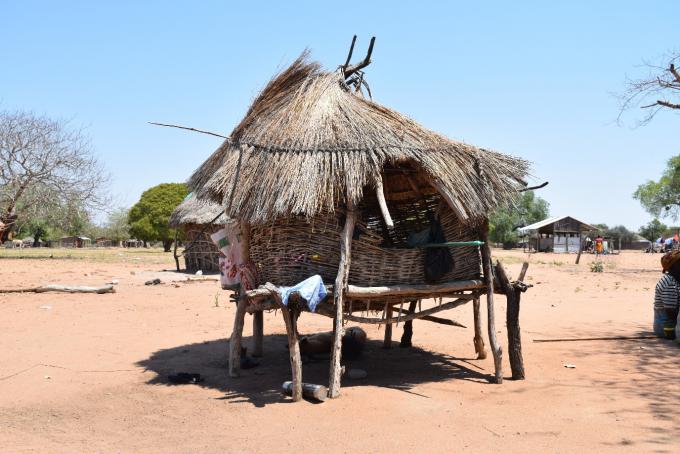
85 373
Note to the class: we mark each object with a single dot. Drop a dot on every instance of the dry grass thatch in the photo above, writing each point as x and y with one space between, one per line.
308 142
197 211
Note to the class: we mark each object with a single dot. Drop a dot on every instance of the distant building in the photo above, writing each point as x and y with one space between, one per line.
556 234
75 241
639 243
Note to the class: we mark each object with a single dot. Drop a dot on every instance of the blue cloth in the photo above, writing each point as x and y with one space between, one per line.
311 289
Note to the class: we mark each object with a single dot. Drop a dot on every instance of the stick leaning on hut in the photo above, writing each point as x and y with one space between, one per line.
314 164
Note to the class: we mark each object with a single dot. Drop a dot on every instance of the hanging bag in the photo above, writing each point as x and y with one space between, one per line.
438 260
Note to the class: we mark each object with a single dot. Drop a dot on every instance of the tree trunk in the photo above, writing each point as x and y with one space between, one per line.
167 245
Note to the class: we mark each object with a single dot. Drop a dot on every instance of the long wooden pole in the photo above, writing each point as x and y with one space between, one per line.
339 297
488 279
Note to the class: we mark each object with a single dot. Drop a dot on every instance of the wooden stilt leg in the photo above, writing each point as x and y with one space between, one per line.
258 333
235 341
387 343
478 340
408 327
339 299
488 280
290 318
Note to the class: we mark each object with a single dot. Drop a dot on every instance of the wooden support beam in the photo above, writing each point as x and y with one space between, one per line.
405 291
387 341
427 318
513 295
478 339
427 291
324 309
235 340
380 193
488 279
290 319
258 333
339 299
407 335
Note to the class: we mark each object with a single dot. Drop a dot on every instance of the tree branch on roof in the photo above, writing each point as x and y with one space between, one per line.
349 70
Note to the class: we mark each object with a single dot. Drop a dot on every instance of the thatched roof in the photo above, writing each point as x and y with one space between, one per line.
309 141
196 211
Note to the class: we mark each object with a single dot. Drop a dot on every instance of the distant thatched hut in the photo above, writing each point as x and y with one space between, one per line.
325 182
198 219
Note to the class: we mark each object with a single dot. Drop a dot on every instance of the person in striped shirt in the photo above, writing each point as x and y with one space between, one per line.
667 296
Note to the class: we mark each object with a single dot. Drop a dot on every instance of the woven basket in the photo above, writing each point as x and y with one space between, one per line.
292 249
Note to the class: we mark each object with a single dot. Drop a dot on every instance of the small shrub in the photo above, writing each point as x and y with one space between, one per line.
597 267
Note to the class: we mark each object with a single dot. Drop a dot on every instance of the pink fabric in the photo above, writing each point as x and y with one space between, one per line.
233 269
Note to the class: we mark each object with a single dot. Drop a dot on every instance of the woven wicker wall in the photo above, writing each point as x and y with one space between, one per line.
292 249
203 255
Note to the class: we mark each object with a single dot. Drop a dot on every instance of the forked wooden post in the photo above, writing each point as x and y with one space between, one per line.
488 280
513 295
236 335
258 333
290 318
338 300
478 340
387 342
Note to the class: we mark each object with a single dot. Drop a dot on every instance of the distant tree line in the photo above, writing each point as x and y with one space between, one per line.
52 185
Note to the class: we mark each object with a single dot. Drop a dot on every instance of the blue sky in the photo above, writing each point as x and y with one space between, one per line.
533 80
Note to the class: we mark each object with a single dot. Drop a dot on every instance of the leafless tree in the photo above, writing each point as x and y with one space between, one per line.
660 89
45 163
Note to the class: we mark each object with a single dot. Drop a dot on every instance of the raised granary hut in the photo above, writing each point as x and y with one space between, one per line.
198 219
324 181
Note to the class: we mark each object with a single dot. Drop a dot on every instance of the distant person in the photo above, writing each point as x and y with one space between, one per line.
599 245
667 296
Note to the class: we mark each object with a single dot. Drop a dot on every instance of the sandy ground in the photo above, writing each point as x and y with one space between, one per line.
88 372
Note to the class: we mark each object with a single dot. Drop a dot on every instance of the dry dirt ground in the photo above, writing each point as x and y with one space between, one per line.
89 372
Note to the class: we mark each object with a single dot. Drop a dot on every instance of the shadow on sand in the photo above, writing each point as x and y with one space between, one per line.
396 368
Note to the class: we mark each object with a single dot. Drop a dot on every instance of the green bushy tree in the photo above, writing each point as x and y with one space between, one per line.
653 230
149 217
527 210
